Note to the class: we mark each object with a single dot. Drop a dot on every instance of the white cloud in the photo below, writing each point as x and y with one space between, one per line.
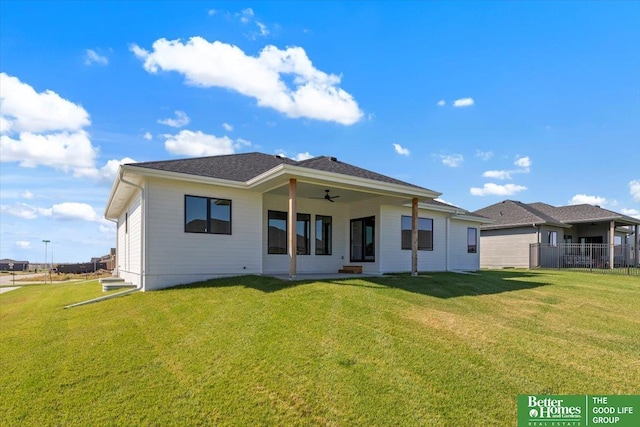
497 174
20 210
524 163
92 57
23 244
65 211
634 189
634 213
264 31
438 199
298 157
147 136
181 120
401 150
491 189
69 211
191 143
59 150
22 109
106 173
580 199
484 155
303 156
314 94
227 127
246 15
109 171
43 129
26 194
211 12
452 160
441 103
463 102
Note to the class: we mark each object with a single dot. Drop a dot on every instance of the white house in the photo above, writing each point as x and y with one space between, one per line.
187 220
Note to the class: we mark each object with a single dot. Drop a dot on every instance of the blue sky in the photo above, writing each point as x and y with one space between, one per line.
482 101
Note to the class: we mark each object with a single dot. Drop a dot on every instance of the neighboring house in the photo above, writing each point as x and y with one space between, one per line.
515 226
11 265
182 221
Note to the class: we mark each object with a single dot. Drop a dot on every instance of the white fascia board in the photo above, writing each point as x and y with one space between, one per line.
347 180
112 193
136 174
428 207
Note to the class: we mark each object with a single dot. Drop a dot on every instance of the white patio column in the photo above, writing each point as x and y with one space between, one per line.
414 236
612 239
291 227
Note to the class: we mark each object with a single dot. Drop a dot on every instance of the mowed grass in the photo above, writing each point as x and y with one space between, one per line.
436 350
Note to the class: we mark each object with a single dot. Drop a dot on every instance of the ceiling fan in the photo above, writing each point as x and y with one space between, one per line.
328 197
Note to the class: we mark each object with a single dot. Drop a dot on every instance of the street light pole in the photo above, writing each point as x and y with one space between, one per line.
45 258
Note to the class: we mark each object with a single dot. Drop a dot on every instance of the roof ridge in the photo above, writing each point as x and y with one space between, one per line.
198 158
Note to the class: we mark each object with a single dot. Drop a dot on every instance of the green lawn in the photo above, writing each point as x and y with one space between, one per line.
440 349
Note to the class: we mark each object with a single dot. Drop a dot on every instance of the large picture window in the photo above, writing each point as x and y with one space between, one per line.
323 235
425 233
472 240
207 215
277 234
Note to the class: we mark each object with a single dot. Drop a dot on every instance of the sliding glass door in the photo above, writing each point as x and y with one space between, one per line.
363 246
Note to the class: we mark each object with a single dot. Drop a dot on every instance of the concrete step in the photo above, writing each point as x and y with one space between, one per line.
112 283
110 279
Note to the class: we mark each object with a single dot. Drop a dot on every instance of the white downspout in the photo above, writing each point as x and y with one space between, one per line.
447 244
143 225
116 266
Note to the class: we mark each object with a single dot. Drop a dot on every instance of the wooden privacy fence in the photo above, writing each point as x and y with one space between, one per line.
594 257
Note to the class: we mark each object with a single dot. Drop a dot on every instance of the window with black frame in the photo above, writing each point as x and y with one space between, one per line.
472 240
207 215
425 233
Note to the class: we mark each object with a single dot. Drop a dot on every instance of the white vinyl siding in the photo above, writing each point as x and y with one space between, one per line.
393 257
175 257
459 256
129 241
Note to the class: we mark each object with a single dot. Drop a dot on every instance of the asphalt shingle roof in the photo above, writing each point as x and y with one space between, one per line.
511 213
583 213
245 166
233 167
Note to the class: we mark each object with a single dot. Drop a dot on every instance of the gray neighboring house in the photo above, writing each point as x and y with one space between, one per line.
515 226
